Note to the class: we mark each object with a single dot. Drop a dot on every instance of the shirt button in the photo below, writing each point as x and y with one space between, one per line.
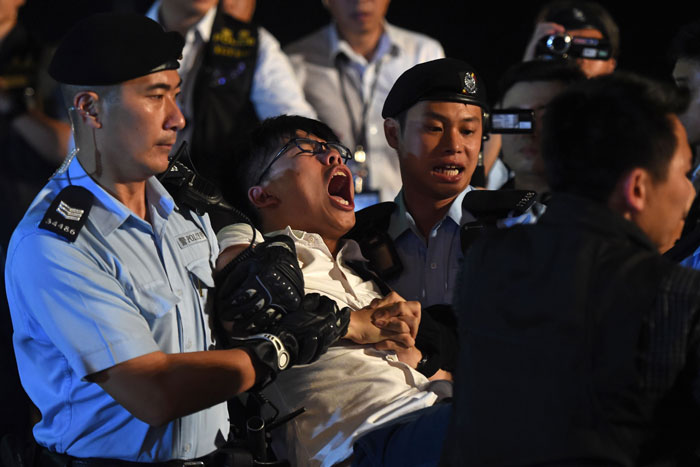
188 345
187 447
433 265
373 130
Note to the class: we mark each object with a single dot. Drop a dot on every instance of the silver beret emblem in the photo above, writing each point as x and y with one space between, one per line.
469 83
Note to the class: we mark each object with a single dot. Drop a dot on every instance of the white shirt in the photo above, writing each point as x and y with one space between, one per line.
318 62
352 388
275 90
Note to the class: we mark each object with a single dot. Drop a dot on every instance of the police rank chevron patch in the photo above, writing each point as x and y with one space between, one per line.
68 212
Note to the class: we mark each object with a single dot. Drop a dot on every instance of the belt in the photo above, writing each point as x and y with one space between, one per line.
219 458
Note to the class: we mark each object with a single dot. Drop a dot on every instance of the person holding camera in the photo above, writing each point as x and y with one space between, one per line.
581 31
525 90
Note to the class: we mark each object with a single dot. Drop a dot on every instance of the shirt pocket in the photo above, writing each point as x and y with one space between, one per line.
154 300
200 270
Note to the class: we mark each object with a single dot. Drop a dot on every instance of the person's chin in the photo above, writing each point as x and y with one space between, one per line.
344 220
446 190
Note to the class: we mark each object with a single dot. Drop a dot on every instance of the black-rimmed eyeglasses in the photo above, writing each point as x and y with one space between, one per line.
308 146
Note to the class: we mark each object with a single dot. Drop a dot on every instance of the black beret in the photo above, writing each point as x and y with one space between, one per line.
445 79
110 48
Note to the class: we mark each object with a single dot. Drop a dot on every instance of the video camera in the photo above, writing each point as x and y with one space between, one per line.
564 46
509 121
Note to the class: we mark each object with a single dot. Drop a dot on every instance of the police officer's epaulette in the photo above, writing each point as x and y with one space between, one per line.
488 206
370 232
68 212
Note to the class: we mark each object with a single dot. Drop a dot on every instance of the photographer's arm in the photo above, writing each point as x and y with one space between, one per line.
541 30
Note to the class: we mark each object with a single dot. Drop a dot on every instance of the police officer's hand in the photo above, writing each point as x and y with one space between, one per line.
299 338
258 288
309 331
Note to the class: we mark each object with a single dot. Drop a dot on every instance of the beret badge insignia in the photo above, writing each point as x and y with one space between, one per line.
469 83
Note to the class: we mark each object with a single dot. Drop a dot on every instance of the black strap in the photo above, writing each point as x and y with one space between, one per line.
370 232
358 131
489 206
361 268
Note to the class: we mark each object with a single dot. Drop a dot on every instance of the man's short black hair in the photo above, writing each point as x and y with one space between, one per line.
599 129
255 152
539 70
573 14
686 43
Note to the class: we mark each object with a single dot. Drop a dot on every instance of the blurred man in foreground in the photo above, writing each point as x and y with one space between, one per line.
580 348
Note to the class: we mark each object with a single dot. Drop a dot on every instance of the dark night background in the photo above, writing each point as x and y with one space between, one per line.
489 35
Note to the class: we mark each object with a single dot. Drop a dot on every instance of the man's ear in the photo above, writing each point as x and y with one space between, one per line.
87 107
634 190
392 132
261 198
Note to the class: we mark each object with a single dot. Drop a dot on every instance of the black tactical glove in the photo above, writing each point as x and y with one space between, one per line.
314 327
300 337
258 287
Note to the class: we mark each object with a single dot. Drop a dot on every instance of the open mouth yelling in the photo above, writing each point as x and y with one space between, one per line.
340 189
448 172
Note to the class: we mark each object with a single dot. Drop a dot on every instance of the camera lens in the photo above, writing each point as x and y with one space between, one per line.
559 44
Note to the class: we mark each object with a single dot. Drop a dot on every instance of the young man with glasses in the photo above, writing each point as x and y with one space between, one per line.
292 179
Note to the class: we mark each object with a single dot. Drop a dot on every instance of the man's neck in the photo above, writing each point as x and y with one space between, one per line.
133 196
177 19
130 194
364 43
426 212
333 245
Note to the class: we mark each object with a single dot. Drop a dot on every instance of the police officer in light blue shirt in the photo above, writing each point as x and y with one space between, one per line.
107 277
435 119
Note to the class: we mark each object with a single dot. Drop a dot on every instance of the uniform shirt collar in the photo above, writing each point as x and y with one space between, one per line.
340 46
401 219
107 212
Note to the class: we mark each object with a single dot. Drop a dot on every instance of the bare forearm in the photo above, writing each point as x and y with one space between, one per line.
158 388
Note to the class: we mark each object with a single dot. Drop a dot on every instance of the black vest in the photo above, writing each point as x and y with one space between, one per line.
223 112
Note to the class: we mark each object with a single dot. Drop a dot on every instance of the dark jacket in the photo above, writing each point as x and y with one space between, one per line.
580 348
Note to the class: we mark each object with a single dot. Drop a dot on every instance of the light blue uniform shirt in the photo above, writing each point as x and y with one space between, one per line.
123 289
430 266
